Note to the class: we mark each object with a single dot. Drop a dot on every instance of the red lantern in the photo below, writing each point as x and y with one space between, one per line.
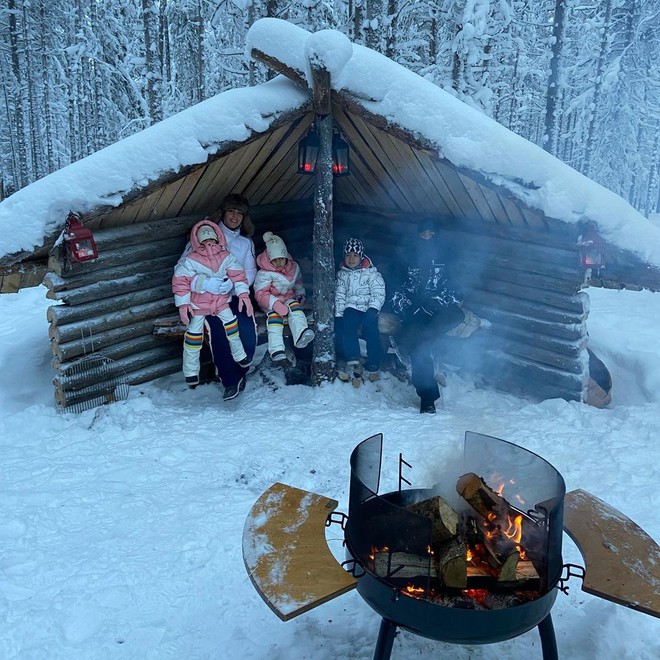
592 249
308 152
79 240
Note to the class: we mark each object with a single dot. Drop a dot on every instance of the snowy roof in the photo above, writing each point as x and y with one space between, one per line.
461 134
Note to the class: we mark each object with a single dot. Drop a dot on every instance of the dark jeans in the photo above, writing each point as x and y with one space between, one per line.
346 329
420 335
229 372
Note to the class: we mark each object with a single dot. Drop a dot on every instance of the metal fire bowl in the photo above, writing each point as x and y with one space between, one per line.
451 624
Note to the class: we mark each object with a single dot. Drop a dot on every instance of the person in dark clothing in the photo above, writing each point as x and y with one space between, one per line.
427 304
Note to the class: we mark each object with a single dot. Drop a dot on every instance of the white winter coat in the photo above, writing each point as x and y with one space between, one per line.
360 288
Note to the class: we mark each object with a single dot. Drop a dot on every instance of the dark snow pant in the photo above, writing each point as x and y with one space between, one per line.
229 372
348 333
421 334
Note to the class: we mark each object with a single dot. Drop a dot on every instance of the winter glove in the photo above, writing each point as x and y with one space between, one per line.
185 312
245 303
280 308
214 285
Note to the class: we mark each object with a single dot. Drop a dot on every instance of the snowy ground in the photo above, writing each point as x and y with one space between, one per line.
121 527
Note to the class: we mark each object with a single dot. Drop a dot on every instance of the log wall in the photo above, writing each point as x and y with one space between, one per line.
524 283
108 307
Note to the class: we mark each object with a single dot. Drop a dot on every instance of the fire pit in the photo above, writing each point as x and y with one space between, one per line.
459 561
475 557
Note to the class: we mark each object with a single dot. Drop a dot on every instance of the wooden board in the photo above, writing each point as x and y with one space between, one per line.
622 560
286 554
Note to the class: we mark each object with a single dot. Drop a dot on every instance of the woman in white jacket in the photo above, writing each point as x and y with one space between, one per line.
360 294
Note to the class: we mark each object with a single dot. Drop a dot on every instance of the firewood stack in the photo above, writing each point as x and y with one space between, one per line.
482 549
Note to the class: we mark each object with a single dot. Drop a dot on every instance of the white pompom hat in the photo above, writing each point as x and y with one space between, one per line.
275 246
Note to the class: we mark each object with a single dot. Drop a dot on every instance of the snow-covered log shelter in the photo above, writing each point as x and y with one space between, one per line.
512 213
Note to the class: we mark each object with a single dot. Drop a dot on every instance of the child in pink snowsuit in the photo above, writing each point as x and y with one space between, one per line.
279 291
209 257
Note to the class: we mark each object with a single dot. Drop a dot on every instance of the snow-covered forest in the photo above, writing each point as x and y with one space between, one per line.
579 78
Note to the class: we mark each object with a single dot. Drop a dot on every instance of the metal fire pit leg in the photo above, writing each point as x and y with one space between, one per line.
548 641
386 636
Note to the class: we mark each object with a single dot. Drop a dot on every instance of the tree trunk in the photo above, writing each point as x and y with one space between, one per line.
554 92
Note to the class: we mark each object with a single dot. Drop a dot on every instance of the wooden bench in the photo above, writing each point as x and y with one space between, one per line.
622 560
286 553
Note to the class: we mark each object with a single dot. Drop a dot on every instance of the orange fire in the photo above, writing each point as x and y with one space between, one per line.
514 529
375 551
415 592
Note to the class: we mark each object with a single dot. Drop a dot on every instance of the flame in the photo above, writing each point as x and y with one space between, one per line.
376 551
514 529
468 555
415 592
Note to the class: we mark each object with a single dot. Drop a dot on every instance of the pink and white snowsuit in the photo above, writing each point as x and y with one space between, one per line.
207 260
284 286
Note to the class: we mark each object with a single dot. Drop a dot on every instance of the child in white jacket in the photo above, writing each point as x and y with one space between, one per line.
359 296
279 291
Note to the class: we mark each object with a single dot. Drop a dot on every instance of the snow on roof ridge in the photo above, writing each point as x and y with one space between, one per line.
466 137
462 135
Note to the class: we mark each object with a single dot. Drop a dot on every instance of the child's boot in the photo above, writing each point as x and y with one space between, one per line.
302 335
235 344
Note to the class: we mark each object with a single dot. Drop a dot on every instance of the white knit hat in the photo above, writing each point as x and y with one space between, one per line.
275 246
205 232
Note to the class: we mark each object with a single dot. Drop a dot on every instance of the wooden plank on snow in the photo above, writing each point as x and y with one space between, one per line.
622 560
286 554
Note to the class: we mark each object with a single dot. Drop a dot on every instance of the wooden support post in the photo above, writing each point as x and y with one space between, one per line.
323 361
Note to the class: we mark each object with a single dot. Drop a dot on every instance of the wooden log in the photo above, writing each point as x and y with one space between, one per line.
106 391
506 370
61 315
110 321
131 254
57 283
444 519
22 276
553 345
451 562
483 499
72 382
502 303
522 246
140 233
403 565
473 269
121 349
86 345
323 361
572 303
111 288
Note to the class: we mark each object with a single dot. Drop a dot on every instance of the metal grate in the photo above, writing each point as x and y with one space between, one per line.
93 381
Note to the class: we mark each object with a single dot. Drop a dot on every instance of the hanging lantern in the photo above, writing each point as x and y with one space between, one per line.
308 152
592 249
339 155
79 240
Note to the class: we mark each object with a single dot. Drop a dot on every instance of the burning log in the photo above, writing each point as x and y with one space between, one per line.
451 564
483 499
444 519
493 547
